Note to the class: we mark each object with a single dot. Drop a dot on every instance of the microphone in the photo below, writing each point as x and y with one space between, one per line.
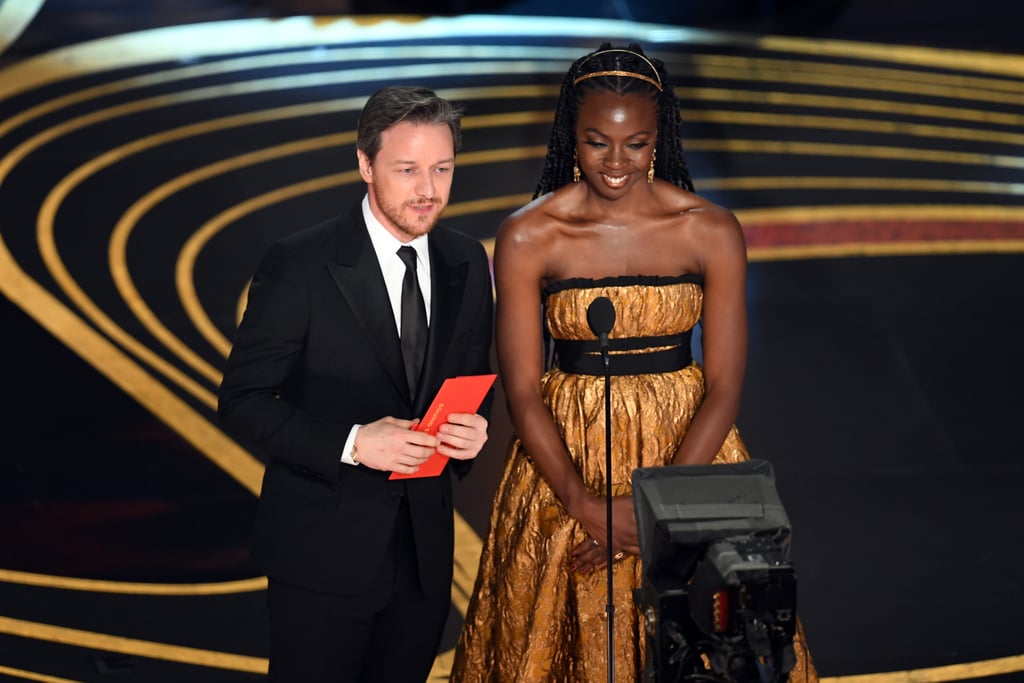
601 318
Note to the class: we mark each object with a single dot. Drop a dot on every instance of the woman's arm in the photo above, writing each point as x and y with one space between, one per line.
519 267
723 259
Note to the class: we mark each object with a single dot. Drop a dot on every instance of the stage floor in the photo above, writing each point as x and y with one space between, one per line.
146 161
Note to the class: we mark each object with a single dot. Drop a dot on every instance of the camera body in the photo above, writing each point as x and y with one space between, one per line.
718 591
733 620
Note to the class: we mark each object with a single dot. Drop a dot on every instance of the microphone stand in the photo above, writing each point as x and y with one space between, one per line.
601 318
608 498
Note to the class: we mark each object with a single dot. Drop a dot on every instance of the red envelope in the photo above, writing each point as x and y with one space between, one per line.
462 394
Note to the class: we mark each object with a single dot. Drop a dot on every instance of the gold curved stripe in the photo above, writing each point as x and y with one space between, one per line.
468 547
49 252
240 303
880 184
901 83
132 646
897 78
939 674
930 58
33 676
132 588
186 259
467 554
844 103
508 203
117 250
53 316
859 151
54 263
442 669
874 126
884 212
859 249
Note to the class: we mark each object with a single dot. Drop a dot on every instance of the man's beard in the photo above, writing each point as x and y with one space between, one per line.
393 212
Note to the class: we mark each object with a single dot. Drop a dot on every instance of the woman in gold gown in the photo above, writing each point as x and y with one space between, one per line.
614 216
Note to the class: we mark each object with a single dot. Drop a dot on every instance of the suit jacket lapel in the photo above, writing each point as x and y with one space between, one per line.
447 286
357 275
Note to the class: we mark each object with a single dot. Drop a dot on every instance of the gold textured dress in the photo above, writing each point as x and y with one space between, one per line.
532 619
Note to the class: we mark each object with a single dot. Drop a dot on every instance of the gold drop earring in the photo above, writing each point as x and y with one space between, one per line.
575 166
650 171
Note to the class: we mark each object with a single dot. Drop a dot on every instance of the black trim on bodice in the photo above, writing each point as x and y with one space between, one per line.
621 281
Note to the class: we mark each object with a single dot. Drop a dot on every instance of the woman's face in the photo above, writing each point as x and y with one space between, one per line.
615 139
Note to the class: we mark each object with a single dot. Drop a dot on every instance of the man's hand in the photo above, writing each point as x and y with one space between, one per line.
392 445
462 436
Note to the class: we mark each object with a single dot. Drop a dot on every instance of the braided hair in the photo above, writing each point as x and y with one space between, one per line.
634 72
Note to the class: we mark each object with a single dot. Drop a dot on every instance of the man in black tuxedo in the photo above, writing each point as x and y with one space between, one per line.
318 383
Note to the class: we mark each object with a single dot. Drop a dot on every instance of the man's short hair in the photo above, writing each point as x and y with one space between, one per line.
394 104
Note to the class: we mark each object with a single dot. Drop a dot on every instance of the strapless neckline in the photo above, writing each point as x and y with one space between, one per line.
622 281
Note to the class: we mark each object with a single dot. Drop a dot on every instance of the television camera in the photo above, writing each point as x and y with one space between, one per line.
718 590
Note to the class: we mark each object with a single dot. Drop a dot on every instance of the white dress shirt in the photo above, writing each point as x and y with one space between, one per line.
386 246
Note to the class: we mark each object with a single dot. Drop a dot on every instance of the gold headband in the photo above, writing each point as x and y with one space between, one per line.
627 74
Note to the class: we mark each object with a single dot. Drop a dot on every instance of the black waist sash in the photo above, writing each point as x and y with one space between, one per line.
625 356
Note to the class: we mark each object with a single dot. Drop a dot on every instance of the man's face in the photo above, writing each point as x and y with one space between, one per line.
411 179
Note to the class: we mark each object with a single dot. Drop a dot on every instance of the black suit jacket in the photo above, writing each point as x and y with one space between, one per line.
317 352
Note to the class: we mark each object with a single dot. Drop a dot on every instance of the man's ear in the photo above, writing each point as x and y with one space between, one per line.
365 166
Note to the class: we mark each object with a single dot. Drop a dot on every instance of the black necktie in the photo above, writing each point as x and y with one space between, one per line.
414 320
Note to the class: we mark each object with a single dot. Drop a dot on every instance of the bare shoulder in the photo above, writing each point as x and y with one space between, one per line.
707 222
702 235
694 207
535 224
